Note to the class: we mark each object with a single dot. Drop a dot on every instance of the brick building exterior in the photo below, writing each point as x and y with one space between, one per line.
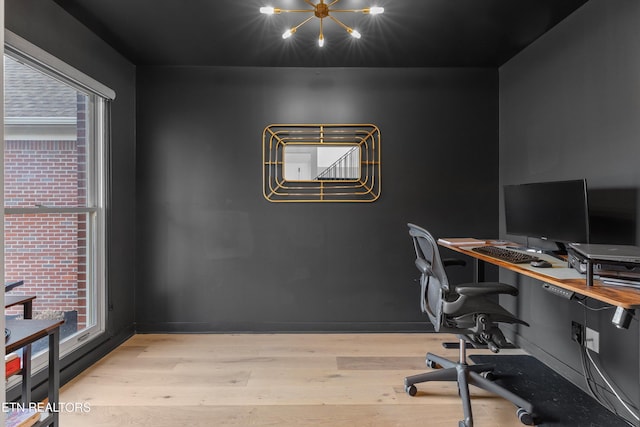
45 167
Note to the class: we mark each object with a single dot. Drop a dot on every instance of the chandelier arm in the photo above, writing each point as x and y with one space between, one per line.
296 10
337 21
310 4
333 2
302 23
349 10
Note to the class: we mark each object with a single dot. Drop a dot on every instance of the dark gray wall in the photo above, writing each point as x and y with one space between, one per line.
569 108
214 255
47 26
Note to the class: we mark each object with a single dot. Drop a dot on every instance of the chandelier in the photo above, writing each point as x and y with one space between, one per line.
321 11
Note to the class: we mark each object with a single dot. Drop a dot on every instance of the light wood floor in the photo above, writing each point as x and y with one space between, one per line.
273 380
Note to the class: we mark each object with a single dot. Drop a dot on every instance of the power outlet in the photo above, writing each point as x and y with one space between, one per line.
592 340
576 332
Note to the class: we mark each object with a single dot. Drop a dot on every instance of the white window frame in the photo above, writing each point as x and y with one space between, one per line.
98 140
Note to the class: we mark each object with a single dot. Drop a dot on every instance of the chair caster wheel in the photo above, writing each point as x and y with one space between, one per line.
489 376
411 390
525 417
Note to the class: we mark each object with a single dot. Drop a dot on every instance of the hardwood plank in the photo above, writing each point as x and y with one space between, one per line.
296 344
282 377
273 379
369 363
286 416
241 362
219 376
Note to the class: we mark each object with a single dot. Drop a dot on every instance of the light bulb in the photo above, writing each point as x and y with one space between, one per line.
288 33
355 34
268 10
376 10
321 40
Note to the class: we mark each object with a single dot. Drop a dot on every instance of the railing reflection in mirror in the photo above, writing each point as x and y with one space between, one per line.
321 163
346 167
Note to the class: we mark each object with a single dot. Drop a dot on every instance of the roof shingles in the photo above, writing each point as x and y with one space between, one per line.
30 93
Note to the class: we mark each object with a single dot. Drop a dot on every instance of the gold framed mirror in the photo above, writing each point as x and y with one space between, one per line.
321 162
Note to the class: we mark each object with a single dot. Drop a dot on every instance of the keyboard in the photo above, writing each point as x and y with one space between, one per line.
514 257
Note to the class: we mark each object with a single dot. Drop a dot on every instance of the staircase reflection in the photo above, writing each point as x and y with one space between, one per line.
346 167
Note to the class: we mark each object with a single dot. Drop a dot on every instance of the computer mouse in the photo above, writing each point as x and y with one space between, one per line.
541 264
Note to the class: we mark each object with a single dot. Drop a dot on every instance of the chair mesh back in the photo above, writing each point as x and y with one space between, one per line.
434 284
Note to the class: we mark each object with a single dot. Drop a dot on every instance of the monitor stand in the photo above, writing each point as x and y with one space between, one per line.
538 246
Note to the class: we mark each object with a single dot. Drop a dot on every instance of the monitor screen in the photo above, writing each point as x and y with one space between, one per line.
555 211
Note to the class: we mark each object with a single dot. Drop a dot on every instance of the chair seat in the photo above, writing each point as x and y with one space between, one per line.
481 305
485 288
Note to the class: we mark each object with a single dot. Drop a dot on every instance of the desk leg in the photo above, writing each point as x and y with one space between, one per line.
27 313
27 310
478 270
54 373
26 374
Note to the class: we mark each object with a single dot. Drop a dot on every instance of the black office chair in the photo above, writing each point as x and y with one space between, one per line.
465 311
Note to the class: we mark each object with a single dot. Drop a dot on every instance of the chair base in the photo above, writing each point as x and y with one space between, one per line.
468 345
465 375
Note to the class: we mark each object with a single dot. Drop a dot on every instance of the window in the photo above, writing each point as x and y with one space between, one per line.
55 178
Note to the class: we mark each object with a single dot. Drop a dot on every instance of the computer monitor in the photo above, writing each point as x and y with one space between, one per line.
554 211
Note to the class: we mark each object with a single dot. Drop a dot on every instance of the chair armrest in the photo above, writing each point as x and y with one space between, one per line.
453 261
485 288
424 267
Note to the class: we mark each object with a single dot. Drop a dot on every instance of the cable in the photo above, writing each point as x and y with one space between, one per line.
588 376
633 414
583 303
591 383
601 397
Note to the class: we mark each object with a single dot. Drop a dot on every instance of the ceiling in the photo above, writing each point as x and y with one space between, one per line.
410 33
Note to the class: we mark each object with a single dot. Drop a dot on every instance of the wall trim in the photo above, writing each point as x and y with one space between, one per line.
281 327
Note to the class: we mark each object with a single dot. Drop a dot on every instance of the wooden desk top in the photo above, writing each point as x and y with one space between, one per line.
11 300
615 295
27 331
